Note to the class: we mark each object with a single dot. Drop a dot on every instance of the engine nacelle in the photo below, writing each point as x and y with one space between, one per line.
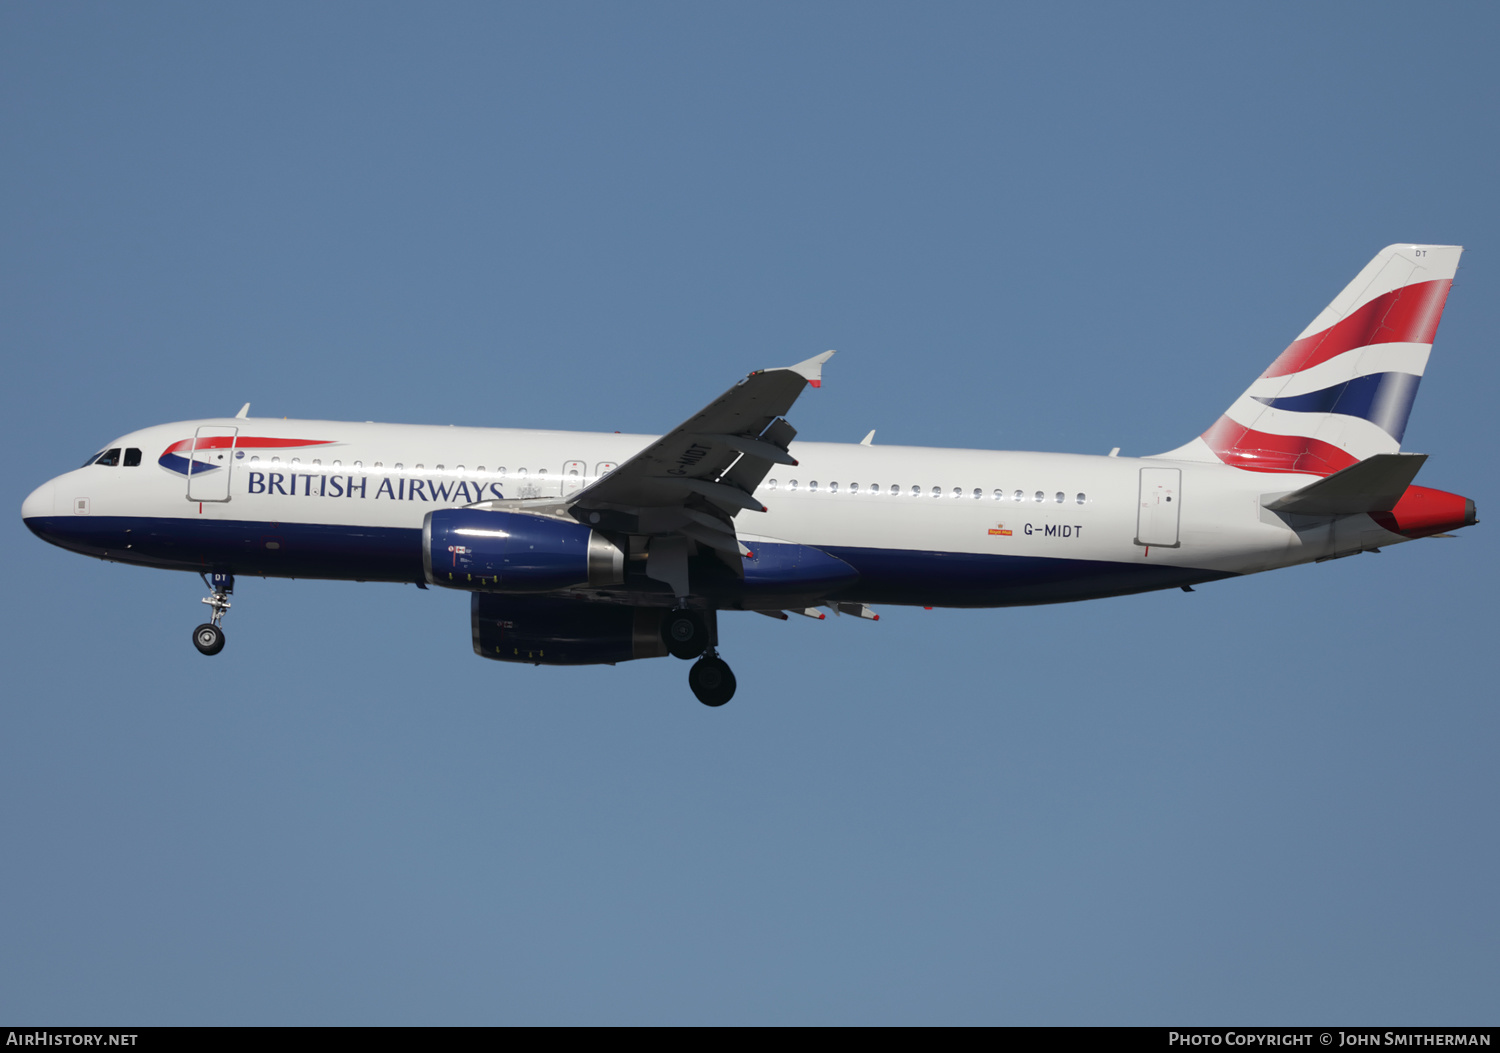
469 548
541 630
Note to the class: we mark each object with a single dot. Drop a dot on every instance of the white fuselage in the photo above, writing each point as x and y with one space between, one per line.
900 502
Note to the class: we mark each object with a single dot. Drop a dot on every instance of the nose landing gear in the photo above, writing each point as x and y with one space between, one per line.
208 637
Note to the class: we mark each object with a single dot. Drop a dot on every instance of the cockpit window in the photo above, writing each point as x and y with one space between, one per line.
92 458
132 458
109 458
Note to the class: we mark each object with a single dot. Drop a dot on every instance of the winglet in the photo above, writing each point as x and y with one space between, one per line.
244 412
812 369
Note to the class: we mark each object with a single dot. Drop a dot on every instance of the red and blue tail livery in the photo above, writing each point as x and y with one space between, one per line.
1343 389
595 547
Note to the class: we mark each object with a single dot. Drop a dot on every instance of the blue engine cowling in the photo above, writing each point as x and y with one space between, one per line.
541 630
469 548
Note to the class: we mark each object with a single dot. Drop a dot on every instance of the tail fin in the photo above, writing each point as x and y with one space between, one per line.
1343 389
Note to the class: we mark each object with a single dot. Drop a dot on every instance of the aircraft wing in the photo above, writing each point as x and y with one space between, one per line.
696 478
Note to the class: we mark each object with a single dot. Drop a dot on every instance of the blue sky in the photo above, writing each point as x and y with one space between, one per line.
1061 228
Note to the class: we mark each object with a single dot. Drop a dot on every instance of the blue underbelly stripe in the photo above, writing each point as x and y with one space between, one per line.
372 553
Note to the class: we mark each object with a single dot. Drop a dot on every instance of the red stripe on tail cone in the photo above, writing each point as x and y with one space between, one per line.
1423 511
1259 451
1409 314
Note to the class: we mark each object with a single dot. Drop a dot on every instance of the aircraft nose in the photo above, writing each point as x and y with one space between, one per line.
38 503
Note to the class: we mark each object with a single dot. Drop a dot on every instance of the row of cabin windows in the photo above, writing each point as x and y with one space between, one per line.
458 469
895 490
574 469
112 458
132 458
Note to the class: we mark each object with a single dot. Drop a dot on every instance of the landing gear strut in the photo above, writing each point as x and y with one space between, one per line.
208 637
711 680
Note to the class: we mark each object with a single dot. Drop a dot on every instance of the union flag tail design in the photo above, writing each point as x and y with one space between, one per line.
1341 391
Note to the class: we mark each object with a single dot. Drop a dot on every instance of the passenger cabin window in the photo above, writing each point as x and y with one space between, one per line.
109 458
854 488
132 458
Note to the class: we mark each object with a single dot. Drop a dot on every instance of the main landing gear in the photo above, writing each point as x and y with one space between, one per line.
711 680
208 637
687 636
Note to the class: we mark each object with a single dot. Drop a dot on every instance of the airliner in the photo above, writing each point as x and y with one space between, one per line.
584 548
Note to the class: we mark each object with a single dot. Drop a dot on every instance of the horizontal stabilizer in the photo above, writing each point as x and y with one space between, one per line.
1374 484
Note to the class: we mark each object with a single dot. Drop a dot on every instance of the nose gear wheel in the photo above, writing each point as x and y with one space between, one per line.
208 637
